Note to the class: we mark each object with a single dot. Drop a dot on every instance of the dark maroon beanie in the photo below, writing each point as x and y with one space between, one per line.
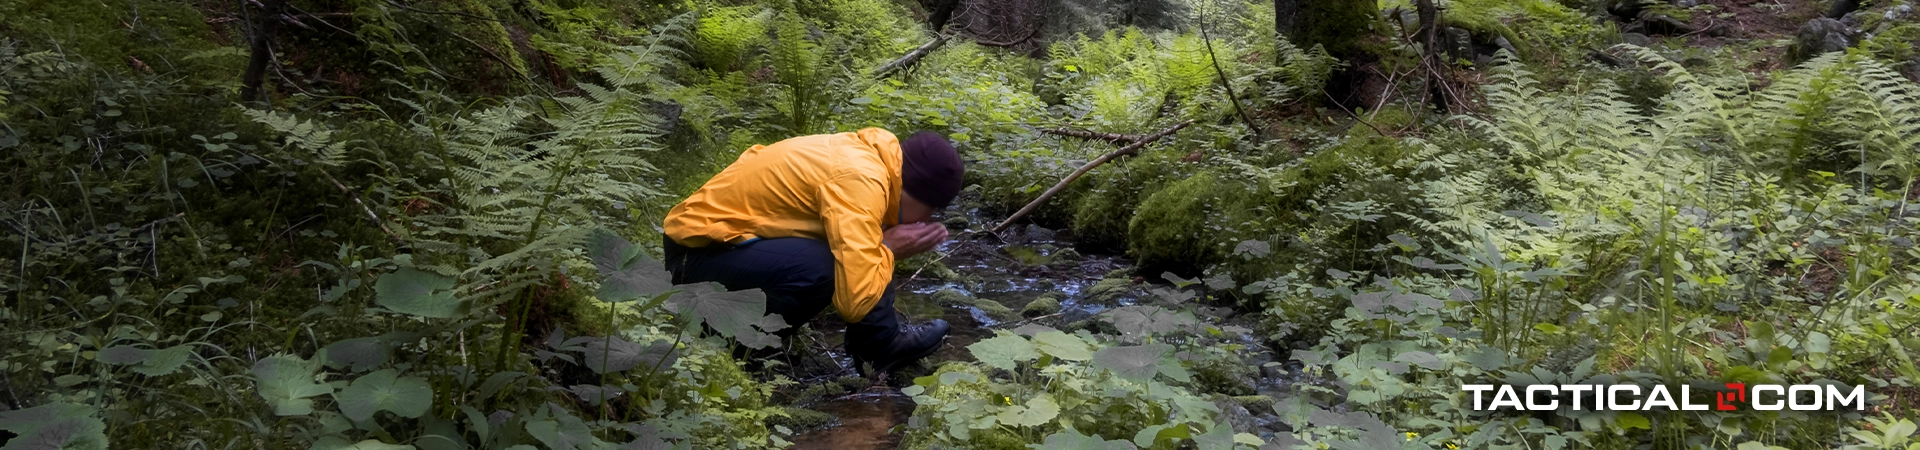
930 169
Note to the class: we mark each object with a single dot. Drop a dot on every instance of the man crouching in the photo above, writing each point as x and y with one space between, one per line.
820 219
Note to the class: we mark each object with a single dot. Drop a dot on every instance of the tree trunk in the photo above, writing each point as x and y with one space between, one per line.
260 49
942 12
1338 26
1432 62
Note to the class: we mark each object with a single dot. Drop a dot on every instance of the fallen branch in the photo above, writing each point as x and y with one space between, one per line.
1228 83
1116 138
910 57
1062 185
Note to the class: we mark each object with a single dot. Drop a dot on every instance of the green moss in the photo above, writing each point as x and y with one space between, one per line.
1107 291
1100 215
1046 304
993 309
1255 402
1168 232
800 419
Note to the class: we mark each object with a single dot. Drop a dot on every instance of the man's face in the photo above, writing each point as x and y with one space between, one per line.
912 211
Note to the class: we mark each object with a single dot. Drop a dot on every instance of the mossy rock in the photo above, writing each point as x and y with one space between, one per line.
800 418
993 309
1045 305
1260 403
1100 216
1095 325
1168 231
1108 291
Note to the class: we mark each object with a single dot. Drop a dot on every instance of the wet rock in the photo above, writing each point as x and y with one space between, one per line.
957 222
1235 415
1067 255
1819 36
993 309
1109 291
1899 12
1045 305
1092 325
800 418
1255 402
1686 3
1120 273
1461 42
1036 233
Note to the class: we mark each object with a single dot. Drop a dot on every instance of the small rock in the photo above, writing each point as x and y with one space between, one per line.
957 223
1092 325
1108 290
1066 255
1912 70
1462 41
1255 402
993 309
1686 3
1636 39
1817 37
1501 41
1120 273
1045 305
1899 12
1276 371
1035 232
1235 415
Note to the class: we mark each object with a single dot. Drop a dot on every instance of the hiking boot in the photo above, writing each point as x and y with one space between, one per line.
911 344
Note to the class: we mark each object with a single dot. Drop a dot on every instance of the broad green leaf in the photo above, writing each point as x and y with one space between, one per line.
357 354
286 382
1036 412
1062 345
1004 351
56 425
385 390
732 313
613 354
336 443
1422 359
1217 437
419 293
1138 363
563 432
1072 440
626 273
1631 420
1142 320
151 363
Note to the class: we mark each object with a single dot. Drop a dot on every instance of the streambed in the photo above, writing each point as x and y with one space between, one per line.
987 284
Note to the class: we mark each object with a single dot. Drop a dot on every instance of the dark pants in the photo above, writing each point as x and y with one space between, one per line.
797 276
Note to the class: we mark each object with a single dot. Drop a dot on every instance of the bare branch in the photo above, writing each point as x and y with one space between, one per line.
1062 185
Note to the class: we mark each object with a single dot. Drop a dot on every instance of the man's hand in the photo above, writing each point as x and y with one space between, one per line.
911 239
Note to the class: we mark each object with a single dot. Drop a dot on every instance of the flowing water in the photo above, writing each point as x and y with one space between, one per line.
1030 262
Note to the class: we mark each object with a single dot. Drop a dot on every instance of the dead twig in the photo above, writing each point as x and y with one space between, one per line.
1115 138
911 57
1062 185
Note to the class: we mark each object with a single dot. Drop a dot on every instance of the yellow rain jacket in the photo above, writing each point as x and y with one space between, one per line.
839 188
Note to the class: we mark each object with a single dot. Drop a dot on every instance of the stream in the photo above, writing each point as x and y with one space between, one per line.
1030 263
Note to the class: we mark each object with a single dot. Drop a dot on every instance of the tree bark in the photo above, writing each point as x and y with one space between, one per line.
910 57
260 48
1062 185
1338 26
1432 60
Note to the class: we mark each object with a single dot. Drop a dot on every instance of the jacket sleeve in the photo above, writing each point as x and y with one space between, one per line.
852 206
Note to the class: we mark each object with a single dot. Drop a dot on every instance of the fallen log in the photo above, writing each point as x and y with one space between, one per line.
910 57
1116 138
1062 185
